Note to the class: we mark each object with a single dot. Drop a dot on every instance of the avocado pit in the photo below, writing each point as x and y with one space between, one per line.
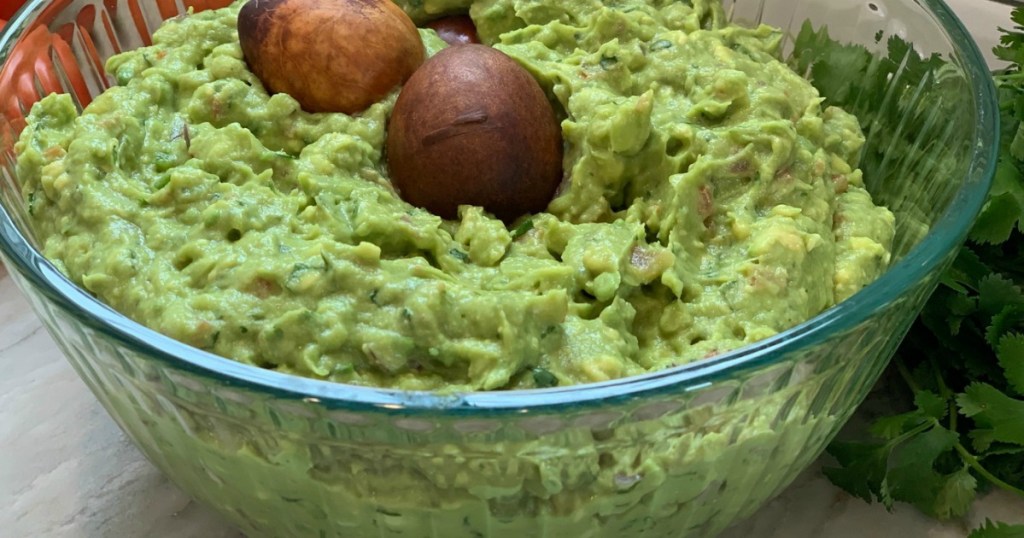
473 127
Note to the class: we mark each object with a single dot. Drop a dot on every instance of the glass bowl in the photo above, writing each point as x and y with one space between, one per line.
681 452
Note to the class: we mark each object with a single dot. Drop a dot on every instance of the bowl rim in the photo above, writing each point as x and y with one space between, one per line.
942 239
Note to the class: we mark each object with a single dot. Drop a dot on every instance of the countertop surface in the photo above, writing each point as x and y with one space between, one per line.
66 470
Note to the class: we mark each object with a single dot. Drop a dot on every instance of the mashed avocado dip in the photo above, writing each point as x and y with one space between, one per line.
709 202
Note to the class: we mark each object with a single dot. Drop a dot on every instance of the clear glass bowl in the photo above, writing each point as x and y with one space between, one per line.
682 452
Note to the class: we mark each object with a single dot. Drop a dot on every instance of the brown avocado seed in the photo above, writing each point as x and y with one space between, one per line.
473 127
330 55
455 30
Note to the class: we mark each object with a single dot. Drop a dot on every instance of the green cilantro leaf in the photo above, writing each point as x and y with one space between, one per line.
998 416
961 308
834 68
931 404
891 427
522 228
956 495
861 470
951 322
997 530
1006 321
1002 212
1017 143
1011 42
996 292
997 219
1011 358
966 272
912 475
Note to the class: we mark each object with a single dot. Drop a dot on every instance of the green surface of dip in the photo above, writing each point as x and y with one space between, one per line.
710 202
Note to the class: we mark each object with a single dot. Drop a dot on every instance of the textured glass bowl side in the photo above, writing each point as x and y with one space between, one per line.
682 453
685 464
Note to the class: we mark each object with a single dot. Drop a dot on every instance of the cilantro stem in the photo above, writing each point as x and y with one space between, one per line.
953 414
972 460
948 395
1010 77
917 430
905 374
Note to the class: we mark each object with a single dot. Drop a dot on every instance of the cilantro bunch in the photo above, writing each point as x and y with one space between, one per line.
961 367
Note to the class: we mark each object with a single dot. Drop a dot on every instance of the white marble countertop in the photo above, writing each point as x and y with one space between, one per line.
66 470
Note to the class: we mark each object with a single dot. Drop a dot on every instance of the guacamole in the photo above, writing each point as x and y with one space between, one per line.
709 201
